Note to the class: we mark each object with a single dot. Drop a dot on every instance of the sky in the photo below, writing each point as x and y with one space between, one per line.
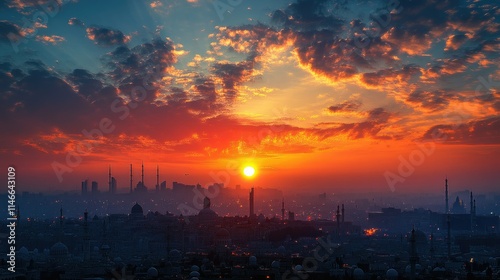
317 95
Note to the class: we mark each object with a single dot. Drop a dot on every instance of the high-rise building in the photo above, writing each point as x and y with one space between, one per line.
85 187
163 186
95 188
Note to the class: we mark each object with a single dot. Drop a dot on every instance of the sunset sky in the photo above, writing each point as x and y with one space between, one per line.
317 95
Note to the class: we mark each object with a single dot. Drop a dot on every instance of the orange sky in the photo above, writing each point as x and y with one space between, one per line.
314 98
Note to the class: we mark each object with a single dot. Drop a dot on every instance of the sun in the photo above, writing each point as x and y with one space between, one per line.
249 171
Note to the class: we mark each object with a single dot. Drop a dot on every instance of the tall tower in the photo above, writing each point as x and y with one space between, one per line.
471 204
448 239
447 210
113 185
130 178
61 229
343 214
413 254
337 216
252 213
283 209
110 188
86 239
142 174
432 250
157 178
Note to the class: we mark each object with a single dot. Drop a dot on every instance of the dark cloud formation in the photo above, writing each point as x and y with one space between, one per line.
381 77
9 32
484 131
106 36
376 120
309 15
347 106
432 100
232 75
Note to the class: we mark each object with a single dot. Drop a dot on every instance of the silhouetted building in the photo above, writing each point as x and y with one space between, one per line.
85 187
458 206
252 213
114 185
95 188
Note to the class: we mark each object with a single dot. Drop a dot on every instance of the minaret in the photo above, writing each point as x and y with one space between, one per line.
61 233
142 175
413 254
448 241
130 178
338 219
343 214
283 209
446 194
473 216
471 204
86 243
157 178
252 213
471 212
109 180
432 250
61 217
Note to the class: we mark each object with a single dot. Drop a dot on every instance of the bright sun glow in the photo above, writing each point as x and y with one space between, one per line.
249 171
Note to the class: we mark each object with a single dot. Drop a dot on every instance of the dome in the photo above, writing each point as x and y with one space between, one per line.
24 250
252 260
391 274
207 214
222 234
174 255
59 250
358 273
275 264
281 250
152 272
194 274
195 268
298 268
136 209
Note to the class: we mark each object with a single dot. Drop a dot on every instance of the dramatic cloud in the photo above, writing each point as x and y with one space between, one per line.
54 39
434 100
107 37
347 106
9 32
485 131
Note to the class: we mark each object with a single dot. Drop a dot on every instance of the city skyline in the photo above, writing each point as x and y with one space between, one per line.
321 95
